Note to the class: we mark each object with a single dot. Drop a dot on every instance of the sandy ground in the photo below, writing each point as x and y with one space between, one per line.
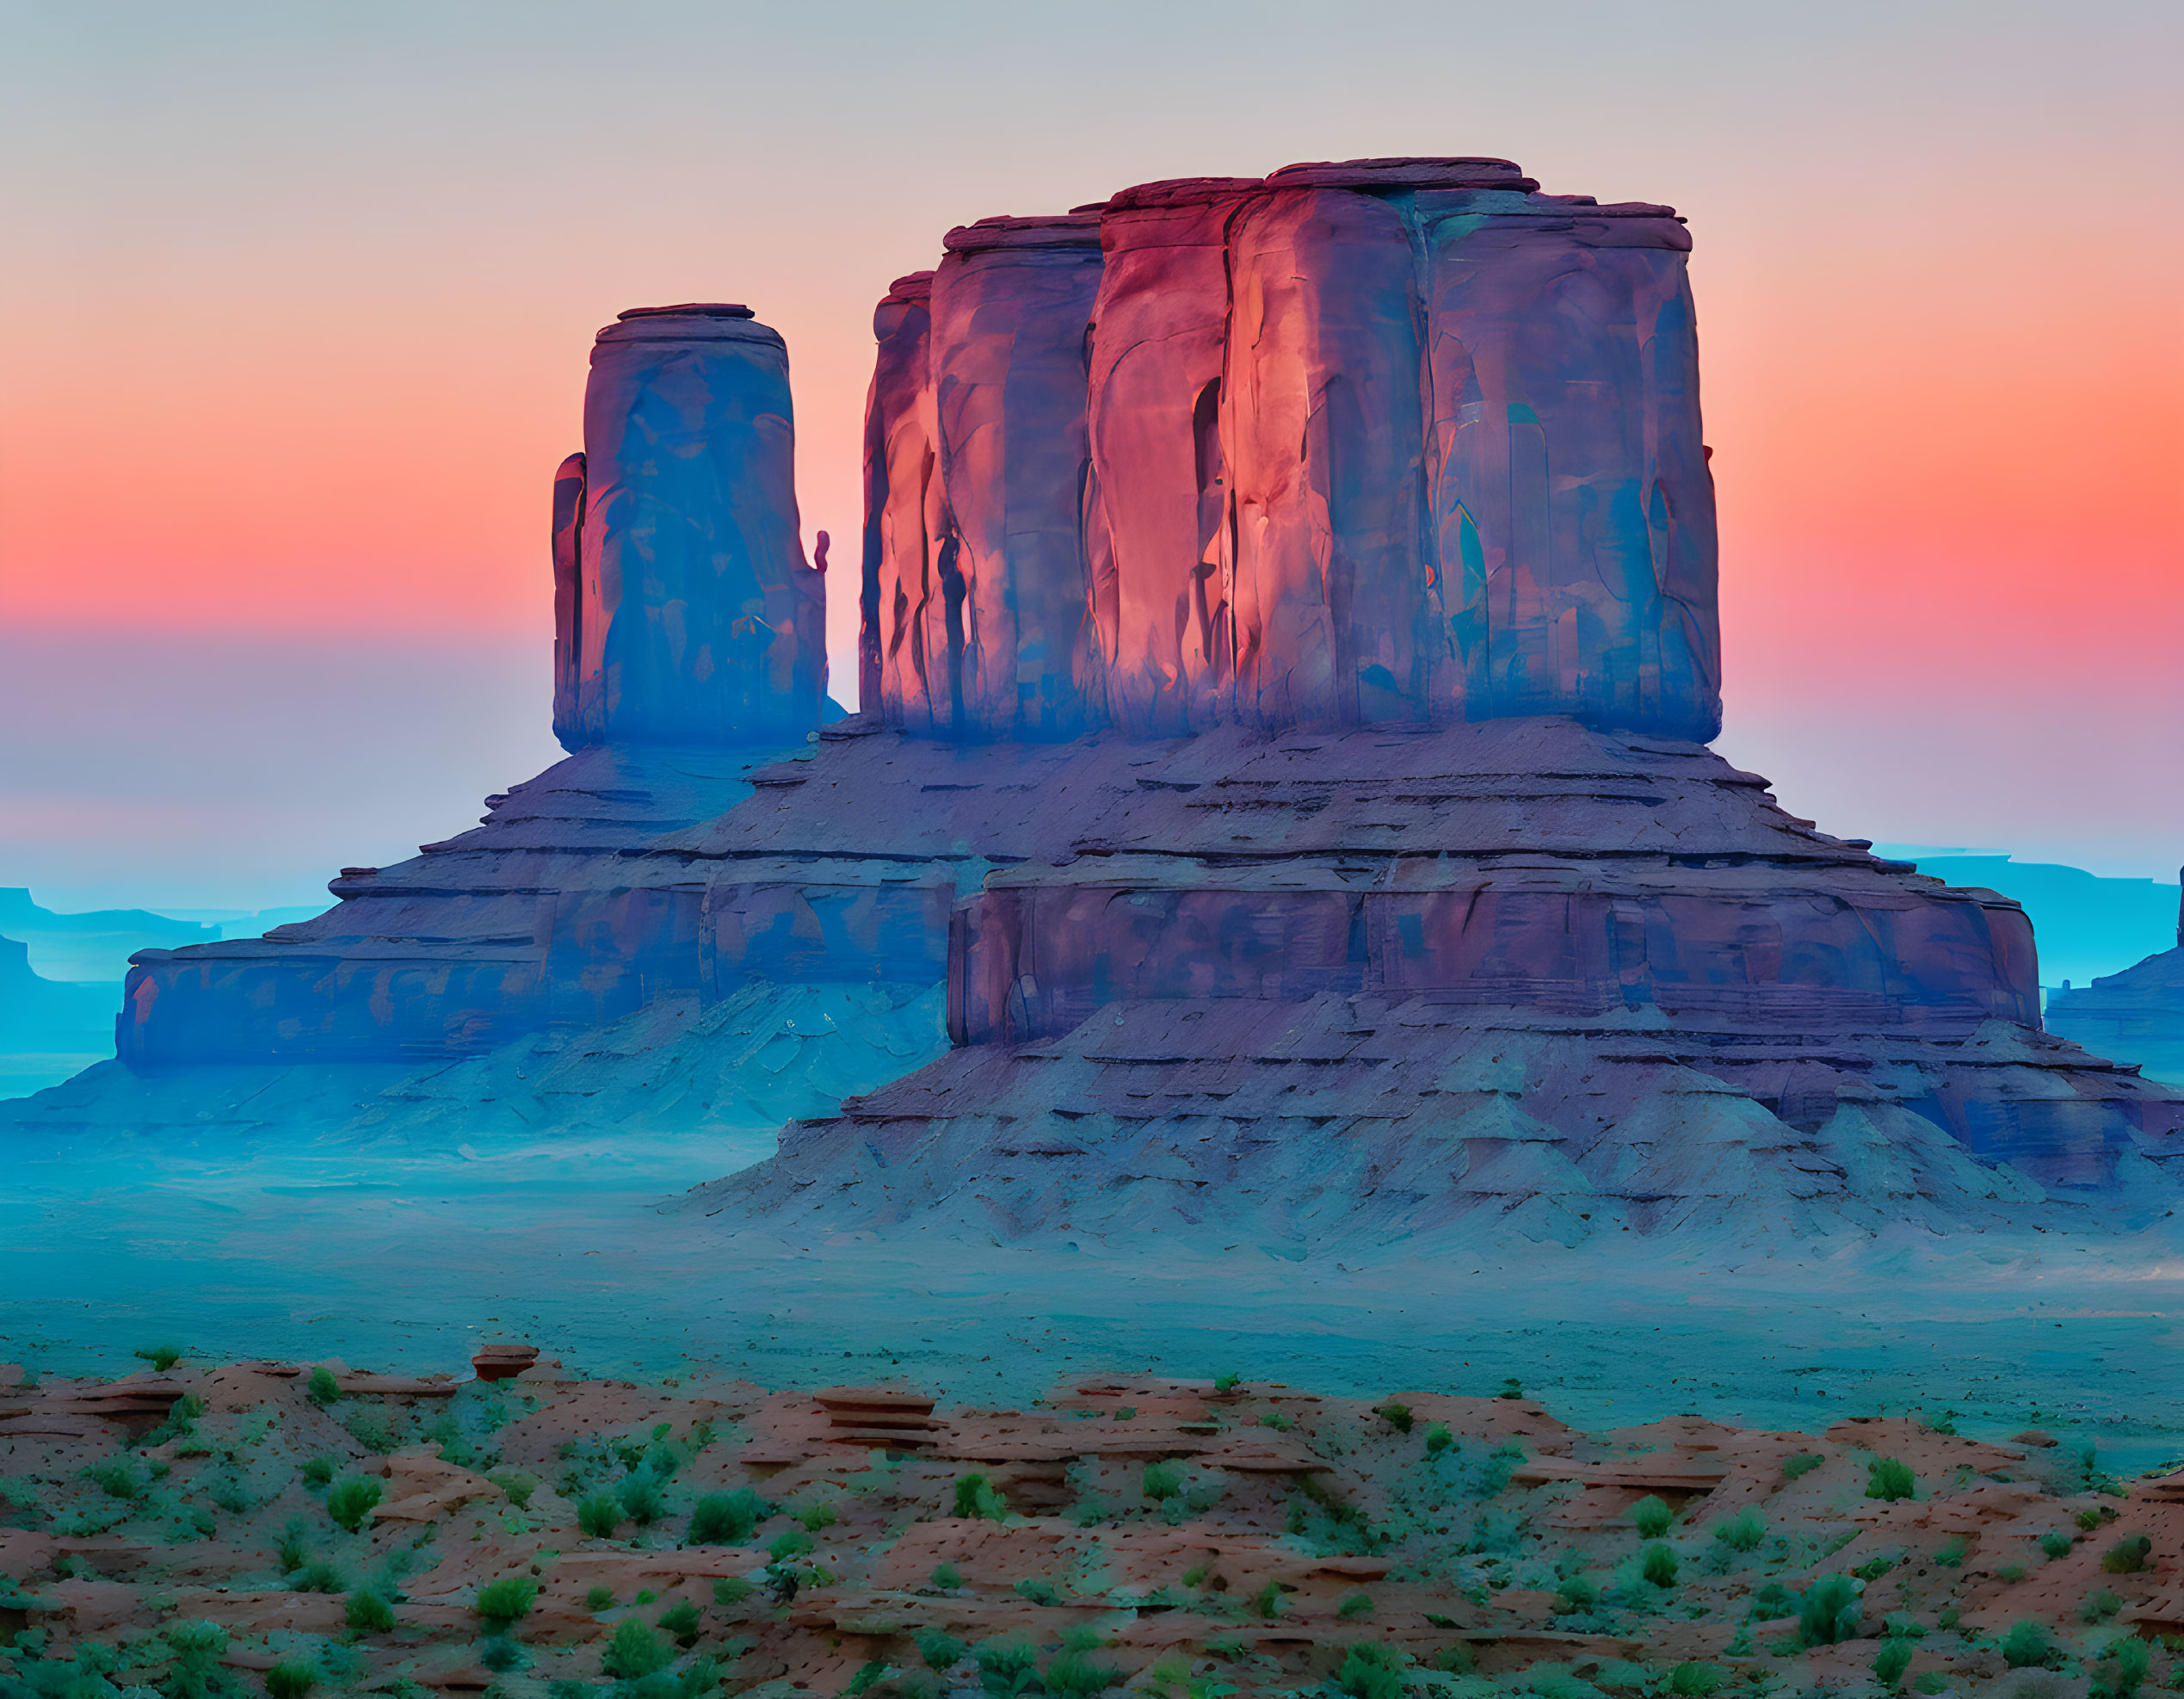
403 1252
218 1529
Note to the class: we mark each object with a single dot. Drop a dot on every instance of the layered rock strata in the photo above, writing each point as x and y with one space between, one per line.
1520 978
1288 649
528 921
689 645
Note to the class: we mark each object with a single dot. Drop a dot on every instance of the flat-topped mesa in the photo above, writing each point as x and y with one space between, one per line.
685 611
1369 441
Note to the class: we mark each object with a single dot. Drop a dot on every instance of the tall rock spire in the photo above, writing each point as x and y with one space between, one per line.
696 619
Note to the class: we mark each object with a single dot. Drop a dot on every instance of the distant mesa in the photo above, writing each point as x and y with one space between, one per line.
1288 649
2138 1013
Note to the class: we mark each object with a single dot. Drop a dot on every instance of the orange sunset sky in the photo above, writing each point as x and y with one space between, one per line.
297 303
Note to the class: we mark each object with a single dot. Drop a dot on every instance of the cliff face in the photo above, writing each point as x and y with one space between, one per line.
693 618
1288 650
1365 443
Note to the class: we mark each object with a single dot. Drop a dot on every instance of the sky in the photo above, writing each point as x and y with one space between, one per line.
295 304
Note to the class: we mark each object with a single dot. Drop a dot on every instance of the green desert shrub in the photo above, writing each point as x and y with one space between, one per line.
940 1650
1161 1482
601 1599
322 1388
1743 1531
2028 1645
293 1551
2128 1555
292 1680
640 1498
1802 1464
1438 1439
1952 1554
1077 1672
507 1600
1660 1565
790 1543
1266 1603
817 1516
635 1652
2099 1607
1697 1680
319 1576
1888 1479
517 1486
1930 1682
2055 1545
1371 1671
162 1356
680 1621
598 1515
1007 1667
2122 1668
1893 1660
727 1518
369 1614
1356 1605
1038 1590
2010 1573
1397 1416
196 1649
975 1499
1651 1517
947 1576
372 1430
1828 1615
1227 1383
349 1502
1511 1387
115 1478
318 1472
229 1493
500 1654
1575 1595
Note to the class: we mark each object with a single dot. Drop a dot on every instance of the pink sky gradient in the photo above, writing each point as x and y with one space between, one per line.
298 305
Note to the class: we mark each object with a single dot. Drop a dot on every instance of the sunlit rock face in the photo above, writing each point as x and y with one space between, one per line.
909 670
1288 650
1006 364
1377 442
696 619
1158 524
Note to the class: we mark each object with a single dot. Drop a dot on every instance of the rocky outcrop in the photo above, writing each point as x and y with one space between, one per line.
1367 1120
1289 650
689 646
1520 978
1006 365
693 618
528 921
1158 544
1382 442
